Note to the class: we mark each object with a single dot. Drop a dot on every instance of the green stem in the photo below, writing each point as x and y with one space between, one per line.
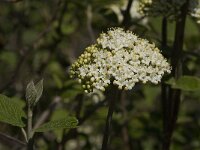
29 128
111 106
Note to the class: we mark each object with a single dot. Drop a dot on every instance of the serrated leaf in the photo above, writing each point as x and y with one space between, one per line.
65 123
39 89
11 112
186 83
31 93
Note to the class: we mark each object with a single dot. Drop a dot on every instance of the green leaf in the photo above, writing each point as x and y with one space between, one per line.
8 58
31 93
72 89
11 112
34 92
58 114
39 89
186 83
57 81
171 81
67 123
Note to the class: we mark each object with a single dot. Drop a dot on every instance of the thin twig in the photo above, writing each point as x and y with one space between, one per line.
24 133
89 23
45 115
89 112
8 139
27 50
57 39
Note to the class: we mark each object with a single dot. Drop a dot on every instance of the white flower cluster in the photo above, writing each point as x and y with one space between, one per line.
196 14
195 10
119 57
168 8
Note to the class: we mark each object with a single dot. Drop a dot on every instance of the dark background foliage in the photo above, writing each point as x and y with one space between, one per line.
40 39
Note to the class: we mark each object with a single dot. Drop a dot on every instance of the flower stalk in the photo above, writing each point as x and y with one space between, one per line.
108 126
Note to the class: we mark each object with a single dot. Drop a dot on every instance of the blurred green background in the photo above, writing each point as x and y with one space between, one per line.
40 39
